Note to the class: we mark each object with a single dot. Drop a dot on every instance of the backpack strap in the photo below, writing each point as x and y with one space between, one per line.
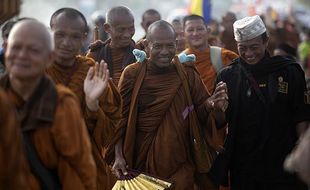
216 58
47 178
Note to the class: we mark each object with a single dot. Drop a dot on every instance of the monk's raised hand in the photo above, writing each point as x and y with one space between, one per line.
219 98
95 83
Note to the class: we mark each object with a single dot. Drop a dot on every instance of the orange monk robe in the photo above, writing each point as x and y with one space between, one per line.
204 66
116 58
12 175
101 124
155 124
58 132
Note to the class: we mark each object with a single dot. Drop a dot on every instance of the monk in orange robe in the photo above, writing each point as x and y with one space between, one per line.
116 51
160 99
12 175
196 34
100 103
56 144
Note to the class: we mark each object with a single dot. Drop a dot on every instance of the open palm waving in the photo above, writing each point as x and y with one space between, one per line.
95 83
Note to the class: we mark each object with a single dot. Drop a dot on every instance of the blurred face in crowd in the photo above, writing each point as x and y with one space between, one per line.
148 19
161 46
29 51
178 28
69 35
196 34
121 30
252 51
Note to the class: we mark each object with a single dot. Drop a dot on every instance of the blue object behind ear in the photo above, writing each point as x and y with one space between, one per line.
186 58
139 54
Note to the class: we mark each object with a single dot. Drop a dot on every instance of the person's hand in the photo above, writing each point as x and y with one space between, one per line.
95 45
119 167
95 83
219 98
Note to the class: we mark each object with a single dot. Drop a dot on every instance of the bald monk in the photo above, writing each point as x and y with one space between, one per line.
196 34
161 102
208 65
56 143
12 174
178 28
101 104
148 17
116 51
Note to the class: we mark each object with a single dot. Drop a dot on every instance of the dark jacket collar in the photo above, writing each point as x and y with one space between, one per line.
40 109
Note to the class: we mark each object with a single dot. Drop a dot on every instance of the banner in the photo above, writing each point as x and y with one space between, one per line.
202 8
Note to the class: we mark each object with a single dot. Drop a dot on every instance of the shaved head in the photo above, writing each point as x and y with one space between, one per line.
160 43
29 51
151 12
118 12
161 27
35 28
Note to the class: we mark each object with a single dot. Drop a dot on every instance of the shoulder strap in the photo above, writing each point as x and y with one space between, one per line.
203 153
216 58
47 178
253 84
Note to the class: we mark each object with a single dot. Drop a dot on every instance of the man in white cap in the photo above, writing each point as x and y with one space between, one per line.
269 108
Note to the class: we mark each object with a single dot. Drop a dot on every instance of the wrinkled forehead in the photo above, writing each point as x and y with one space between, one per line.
122 19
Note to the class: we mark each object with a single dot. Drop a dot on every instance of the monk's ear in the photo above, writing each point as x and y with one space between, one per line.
107 27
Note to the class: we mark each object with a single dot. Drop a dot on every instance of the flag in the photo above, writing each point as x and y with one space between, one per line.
201 8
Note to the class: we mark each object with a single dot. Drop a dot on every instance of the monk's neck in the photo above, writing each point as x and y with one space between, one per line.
24 88
65 63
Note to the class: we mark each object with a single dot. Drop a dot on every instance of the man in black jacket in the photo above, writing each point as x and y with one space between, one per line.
268 109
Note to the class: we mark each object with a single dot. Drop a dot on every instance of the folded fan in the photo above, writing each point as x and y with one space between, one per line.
136 180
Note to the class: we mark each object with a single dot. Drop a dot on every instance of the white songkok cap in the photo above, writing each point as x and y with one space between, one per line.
248 28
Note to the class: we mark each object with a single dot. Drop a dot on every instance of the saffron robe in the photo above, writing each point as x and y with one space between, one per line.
53 119
116 58
101 124
12 175
155 123
204 65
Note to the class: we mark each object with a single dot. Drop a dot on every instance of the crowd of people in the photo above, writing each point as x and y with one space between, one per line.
202 108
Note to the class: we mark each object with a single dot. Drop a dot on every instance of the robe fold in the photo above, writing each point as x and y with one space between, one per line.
204 65
54 122
12 175
116 58
155 121
101 124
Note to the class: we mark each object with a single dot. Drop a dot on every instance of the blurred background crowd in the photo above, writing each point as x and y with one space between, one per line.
288 21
